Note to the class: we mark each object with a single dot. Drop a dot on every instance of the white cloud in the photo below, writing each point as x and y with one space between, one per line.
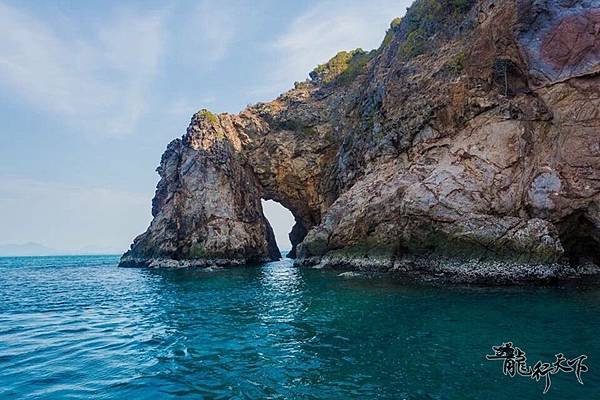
69 217
216 29
98 83
207 32
319 33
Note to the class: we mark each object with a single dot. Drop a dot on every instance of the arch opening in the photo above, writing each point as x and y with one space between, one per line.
281 220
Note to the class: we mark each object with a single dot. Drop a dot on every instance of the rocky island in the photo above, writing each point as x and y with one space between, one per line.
465 148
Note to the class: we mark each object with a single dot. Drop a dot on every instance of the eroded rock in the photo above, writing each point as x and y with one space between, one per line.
471 154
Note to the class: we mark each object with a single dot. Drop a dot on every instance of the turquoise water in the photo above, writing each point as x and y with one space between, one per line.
81 328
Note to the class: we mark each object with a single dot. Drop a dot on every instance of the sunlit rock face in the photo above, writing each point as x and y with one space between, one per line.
466 147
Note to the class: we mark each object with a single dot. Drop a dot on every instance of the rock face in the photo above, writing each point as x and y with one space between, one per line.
466 147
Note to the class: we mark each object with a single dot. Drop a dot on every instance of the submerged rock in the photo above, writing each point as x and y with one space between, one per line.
466 147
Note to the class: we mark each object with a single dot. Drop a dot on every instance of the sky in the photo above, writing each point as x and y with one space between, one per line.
91 93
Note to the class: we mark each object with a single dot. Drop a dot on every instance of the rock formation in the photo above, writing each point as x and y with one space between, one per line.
467 147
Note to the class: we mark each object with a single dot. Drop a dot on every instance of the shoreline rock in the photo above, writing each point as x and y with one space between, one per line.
440 269
167 263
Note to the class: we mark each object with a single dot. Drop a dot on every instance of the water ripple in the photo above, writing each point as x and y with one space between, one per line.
80 328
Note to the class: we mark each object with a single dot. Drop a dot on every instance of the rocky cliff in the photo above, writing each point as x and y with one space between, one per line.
465 148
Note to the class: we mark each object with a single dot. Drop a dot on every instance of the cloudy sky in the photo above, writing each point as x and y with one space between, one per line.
91 93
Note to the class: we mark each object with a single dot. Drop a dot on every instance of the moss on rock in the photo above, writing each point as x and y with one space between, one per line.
209 116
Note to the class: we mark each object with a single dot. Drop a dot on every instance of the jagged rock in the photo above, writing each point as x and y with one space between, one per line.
466 147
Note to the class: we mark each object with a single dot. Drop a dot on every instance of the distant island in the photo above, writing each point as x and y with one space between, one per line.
38 249
26 249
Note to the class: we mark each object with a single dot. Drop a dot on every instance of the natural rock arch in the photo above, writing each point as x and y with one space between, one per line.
468 154
207 204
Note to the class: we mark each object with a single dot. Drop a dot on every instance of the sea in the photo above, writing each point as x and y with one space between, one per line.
80 327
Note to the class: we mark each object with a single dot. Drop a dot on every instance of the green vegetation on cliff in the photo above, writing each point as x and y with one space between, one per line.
395 22
343 67
457 63
423 20
389 34
426 18
209 116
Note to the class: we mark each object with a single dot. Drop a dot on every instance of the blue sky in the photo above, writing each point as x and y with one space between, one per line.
92 92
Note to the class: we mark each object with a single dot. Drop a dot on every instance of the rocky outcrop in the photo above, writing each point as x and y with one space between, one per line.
465 148
207 205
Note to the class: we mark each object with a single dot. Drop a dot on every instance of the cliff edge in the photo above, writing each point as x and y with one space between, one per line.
466 148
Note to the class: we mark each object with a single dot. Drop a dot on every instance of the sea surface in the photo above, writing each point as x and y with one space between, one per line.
82 328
